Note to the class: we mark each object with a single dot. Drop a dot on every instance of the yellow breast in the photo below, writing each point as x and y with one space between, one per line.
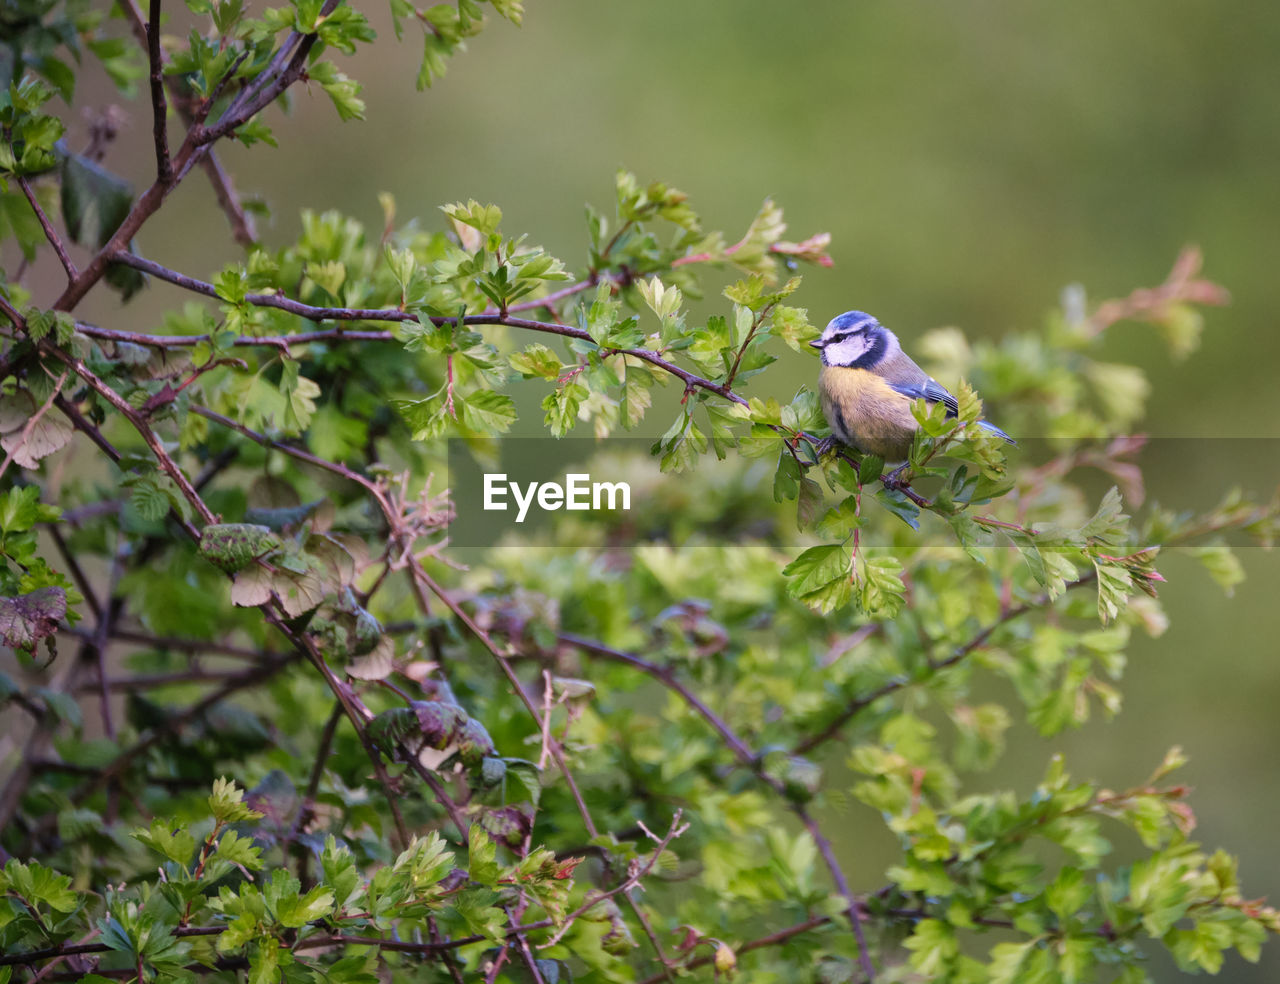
866 413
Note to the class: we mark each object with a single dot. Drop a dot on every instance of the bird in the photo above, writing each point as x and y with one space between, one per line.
867 385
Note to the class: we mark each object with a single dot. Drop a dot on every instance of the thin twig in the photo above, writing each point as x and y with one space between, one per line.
773 939
77 572
667 677
634 877
50 233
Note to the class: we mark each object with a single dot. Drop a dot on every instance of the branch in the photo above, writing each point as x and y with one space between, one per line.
667 677
194 148
193 645
773 939
167 464
78 420
269 85
633 878
50 233
242 227
77 572
148 681
159 110
313 313
856 909
73 949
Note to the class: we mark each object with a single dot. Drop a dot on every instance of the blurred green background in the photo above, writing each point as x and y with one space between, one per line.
970 160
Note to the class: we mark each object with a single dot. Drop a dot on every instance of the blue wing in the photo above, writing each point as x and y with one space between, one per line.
931 390
935 392
988 426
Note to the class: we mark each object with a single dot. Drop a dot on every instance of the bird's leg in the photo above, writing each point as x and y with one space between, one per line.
824 446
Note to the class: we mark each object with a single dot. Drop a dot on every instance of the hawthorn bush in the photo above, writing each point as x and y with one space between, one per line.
269 724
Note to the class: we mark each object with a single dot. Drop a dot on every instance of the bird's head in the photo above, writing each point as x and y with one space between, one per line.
854 339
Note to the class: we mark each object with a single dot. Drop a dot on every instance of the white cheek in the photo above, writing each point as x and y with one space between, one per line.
844 352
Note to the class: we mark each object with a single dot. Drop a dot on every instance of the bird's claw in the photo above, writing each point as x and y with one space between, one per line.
825 446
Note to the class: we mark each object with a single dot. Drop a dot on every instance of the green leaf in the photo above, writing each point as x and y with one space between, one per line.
821 577
340 874
487 412
897 503
1221 563
234 546
482 863
294 912
933 948
300 395
536 360
264 962
562 406
39 886
1068 894
238 851
176 845
478 910
342 90
226 803
881 591
483 218
1007 961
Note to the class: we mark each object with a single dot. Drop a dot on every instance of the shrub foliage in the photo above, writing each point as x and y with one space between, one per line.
271 727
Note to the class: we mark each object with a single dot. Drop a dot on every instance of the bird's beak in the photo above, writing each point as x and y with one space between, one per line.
817 344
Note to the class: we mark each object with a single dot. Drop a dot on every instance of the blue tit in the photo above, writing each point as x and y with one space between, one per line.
867 386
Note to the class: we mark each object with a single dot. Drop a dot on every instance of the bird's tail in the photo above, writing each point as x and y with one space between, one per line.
988 426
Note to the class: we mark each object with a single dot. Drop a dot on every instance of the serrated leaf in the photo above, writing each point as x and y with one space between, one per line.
28 618
482 857
536 360
820 577
233 546
487 412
